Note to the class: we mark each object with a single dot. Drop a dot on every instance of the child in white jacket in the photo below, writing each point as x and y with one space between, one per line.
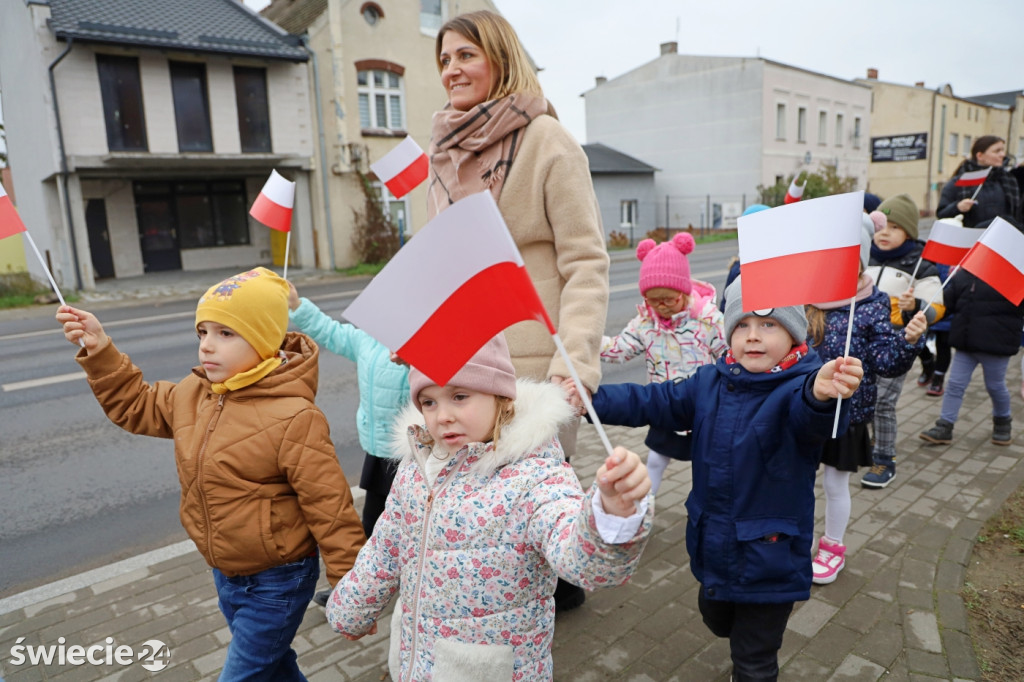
483 517
678 328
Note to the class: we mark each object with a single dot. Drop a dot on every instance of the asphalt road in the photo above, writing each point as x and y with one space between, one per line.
77 493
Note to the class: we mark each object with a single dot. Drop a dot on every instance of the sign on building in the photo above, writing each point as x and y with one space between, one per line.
910 147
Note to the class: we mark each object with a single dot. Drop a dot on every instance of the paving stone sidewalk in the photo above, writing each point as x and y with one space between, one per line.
895 612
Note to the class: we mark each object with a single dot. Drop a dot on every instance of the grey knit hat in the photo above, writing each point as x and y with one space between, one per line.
902 210
791 317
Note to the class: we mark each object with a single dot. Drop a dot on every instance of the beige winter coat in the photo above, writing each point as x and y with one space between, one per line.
549 205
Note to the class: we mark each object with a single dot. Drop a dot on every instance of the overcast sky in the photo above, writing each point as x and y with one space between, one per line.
975 46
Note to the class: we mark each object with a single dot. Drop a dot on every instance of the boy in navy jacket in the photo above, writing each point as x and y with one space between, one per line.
759 418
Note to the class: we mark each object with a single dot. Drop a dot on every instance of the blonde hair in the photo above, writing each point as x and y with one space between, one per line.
492 33
815 324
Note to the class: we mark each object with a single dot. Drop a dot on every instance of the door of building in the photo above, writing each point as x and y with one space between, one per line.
158 234
99 238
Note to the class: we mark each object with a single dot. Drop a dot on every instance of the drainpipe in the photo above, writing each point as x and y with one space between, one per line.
323 149
64 164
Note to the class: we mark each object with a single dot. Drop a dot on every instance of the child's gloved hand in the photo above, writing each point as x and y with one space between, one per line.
82 329
622 480
917 326
838 378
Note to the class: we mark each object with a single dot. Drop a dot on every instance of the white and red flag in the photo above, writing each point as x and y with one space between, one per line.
449 290
801 253
948 242
998 260
10 222
974 178
795 191
273 207
403 168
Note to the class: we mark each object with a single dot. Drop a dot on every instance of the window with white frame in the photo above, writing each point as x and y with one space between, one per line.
954 144
801 124
780 121
397 210
431 16
856 132
381 100
822 127
839 130
967 145
628 212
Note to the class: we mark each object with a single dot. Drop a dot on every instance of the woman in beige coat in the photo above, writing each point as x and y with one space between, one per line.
498 133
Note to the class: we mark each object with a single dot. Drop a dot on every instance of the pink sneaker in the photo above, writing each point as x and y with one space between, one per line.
828 562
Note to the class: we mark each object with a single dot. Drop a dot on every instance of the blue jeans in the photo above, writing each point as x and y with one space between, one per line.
994 369
264 612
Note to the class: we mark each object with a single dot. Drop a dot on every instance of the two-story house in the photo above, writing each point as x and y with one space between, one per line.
141 131
374 67
717 127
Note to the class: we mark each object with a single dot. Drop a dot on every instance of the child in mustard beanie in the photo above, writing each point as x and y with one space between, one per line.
263 494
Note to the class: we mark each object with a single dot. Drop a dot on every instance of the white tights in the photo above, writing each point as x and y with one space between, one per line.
656 465
837 502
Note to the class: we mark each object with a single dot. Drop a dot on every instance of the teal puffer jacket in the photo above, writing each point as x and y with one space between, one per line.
383 385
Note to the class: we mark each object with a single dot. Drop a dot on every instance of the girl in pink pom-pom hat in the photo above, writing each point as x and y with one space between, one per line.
677 329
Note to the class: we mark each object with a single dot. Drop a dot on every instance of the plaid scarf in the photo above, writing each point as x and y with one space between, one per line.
999 175
792 357
471 151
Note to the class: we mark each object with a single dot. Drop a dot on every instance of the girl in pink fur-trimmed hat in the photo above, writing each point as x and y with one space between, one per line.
677 329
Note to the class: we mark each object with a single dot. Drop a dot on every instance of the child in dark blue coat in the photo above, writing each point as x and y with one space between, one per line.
759 417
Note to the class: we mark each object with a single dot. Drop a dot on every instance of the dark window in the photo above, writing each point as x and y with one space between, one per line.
191 107
206 213
121 90
253 112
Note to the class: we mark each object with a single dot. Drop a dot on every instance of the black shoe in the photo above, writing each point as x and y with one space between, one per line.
927 369
321 597
568 596
940 434
1001 433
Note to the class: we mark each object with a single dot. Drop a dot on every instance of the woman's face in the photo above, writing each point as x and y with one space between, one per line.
466 73
993 156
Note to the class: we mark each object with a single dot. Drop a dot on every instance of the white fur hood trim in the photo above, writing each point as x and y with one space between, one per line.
541 409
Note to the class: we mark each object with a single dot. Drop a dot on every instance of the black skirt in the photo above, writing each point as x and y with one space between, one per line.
378 474
849 451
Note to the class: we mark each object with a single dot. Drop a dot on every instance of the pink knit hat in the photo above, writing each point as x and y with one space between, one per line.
489 371
878 219
665 264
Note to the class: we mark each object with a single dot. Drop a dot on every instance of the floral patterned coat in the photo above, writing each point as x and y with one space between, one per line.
674 349
474 558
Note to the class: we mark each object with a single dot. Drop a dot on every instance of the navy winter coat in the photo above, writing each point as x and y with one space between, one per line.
881 347
757 439
985 321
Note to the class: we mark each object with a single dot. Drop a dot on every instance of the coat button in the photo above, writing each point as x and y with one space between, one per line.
730 388
735 370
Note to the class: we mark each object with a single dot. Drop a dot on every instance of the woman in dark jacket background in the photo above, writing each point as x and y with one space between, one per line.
1000 195
985 330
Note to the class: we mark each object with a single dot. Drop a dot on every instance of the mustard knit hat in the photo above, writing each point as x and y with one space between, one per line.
254 304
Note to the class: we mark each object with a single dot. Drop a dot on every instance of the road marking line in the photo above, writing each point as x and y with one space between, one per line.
44 381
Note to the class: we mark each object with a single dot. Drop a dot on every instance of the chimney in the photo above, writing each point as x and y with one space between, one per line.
600 80
873 74
919 84
670 48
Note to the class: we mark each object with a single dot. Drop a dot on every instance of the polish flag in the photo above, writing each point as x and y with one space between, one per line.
449 290
998 260
273 207
10 223
948 242
804 252
974 178
795 192
403 168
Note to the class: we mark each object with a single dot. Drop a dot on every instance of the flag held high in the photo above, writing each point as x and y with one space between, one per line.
449 290
948 242
998 260
403 168
801 253
273 207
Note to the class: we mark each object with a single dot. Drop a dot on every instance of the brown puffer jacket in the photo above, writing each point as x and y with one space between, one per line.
260 482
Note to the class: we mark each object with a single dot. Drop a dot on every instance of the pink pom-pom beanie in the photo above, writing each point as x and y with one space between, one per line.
665 264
